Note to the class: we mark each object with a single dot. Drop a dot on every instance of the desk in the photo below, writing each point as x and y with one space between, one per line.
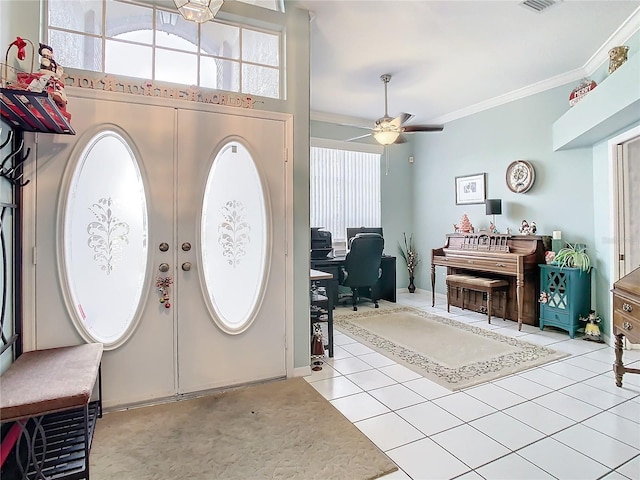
384 289
324 304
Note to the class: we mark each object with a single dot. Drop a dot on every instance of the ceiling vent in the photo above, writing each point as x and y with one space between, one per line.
538 5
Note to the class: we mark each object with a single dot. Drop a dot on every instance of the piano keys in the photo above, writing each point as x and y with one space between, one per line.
514 258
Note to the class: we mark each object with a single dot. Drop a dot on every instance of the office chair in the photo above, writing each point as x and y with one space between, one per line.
361 269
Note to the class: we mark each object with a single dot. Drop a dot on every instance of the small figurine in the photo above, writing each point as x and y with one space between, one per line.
528 229
591 329
549 256
492 228
465 225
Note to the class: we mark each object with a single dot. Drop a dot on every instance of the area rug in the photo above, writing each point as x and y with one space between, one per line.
453 354
278 430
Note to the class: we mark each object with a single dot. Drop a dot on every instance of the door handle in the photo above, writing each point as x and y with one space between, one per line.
186 266
164 267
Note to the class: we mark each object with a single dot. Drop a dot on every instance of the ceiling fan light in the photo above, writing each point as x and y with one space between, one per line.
198 11
386 137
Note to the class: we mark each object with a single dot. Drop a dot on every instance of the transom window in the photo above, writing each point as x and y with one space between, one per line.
144 41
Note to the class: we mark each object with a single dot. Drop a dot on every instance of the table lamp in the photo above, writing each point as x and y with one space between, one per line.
493 207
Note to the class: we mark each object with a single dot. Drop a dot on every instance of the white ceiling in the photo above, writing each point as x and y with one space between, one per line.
451 58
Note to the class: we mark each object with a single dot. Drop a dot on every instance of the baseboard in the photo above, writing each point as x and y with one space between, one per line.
301 371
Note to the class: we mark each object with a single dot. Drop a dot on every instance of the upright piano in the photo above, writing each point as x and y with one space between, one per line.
514 258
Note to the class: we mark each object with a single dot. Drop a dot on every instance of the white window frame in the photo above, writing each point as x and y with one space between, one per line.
103 37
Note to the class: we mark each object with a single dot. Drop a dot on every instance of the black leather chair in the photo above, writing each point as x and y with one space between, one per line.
361 268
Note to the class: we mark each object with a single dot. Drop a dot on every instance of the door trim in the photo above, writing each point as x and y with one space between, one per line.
29 251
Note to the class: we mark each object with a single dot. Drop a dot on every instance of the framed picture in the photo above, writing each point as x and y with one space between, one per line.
470 189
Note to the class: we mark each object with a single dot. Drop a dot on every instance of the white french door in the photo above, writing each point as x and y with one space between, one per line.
218 324
231 326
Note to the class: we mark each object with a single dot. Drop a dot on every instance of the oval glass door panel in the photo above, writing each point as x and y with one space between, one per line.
105 240
234 238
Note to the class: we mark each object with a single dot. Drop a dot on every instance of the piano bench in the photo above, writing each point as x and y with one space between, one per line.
478 284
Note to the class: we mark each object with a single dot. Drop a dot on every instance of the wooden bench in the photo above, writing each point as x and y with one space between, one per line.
479 284
47 393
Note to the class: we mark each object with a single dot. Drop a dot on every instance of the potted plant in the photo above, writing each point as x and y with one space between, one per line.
410 256
573 256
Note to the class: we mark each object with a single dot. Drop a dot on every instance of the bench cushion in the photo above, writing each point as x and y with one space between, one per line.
471 281
46 381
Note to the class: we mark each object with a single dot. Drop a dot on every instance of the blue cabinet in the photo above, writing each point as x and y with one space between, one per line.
565 295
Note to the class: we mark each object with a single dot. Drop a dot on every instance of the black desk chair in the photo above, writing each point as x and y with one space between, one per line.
361 268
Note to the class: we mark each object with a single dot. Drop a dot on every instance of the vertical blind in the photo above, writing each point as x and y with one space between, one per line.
344 190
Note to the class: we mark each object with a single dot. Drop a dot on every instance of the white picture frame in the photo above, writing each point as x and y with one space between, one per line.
470 189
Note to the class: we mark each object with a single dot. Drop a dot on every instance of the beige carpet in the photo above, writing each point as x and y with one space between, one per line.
278 430
453 354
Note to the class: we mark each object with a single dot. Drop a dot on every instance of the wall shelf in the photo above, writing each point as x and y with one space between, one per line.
610 107
33 112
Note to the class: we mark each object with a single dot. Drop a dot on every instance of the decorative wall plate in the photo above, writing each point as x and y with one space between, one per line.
520 176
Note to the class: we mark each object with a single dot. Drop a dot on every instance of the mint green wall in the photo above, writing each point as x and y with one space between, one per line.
603 190
560 199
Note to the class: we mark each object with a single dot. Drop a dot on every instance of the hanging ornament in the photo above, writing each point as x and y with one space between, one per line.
163 284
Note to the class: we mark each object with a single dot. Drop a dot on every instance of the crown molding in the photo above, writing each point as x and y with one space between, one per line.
630 26
524 92
619 37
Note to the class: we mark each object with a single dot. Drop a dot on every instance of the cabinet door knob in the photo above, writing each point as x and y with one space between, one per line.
627 326
626 307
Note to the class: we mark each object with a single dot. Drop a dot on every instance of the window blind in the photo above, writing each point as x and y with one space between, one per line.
344 190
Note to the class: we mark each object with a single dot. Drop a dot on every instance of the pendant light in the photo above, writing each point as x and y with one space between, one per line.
198 11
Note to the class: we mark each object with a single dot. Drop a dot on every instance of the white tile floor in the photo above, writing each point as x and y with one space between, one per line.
564 420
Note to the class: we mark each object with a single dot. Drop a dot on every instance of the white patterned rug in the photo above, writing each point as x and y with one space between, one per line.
453 354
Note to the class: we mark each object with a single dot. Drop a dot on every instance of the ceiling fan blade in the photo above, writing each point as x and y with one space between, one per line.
358 138
401 118
422 128
401 139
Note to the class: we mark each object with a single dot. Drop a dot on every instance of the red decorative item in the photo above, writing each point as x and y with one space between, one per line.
580 91
20 44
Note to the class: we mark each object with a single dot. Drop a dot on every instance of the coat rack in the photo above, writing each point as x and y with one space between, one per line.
11 166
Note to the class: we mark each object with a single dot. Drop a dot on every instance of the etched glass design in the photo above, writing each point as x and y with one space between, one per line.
105 240
234 238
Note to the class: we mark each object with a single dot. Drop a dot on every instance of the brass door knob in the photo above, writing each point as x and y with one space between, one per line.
186 266
164 267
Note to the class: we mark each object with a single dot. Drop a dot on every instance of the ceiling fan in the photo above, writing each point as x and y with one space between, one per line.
388 131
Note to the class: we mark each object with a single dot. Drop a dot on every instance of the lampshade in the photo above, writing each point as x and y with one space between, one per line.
493 206
198 10
386 137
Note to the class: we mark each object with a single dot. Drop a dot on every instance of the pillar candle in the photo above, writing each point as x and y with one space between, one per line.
557 234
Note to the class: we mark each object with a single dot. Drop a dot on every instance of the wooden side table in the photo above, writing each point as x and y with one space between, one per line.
626 318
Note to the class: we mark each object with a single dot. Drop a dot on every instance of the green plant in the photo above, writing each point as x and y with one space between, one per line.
409 254
573 256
